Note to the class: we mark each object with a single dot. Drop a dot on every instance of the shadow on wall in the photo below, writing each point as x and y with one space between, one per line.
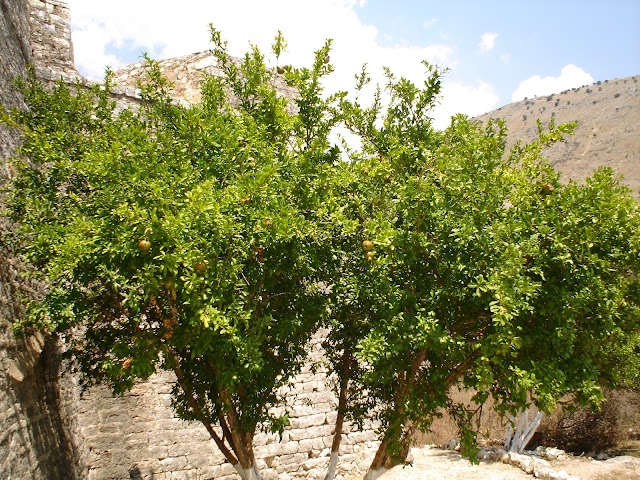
37 433
135 473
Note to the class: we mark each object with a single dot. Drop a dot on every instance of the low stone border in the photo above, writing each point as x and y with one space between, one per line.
530 462
538 467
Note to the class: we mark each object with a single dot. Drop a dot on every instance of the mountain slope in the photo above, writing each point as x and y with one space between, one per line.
608 132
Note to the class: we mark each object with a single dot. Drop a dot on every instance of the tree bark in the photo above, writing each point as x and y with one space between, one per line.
228 455
382 460
241 443
342 409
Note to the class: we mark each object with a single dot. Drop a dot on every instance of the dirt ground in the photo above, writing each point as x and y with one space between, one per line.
432 463
616 468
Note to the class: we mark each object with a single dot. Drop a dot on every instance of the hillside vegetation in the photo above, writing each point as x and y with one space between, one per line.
608 132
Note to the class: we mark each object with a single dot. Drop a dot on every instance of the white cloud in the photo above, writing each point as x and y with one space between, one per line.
570 77
487 41
100 28
157 26
471 100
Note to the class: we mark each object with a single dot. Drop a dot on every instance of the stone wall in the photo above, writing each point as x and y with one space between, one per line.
137 436
35 439
48 430
51 46
15 54
34 435
185 73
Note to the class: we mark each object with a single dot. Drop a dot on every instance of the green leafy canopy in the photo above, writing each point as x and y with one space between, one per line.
216 239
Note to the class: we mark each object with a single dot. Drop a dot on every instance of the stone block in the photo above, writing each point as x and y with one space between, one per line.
309 421
172 464
295 459
313 446
200 459
169 424
304 410
270 474
361 437
345 449
279 449
158 451
183 448
311 432
313 464
184 475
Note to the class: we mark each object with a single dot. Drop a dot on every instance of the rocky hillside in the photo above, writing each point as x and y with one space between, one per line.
608 132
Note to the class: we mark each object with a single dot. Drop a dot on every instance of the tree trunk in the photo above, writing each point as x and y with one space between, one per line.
241 442
377 467
241 454
383 461
373 474
250 473
342 408
229 456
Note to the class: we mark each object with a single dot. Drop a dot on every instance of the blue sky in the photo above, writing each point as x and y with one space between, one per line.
534 38
496 51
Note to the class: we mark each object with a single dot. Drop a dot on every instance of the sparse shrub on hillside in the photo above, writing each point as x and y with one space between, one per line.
616 95
589 431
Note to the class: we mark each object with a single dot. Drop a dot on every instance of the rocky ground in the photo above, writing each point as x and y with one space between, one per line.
431 463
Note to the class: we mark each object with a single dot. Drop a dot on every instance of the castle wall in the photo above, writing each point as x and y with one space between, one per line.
138 436
15 53
34 441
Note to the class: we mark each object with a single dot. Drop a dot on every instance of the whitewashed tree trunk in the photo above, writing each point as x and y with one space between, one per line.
525 427
333 465
373 474
247 473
